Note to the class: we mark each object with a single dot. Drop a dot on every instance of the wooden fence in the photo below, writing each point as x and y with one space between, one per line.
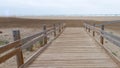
110 37
16 47
93 31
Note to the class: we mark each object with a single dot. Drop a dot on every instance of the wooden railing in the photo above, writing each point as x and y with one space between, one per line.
103 35
16 47
110 37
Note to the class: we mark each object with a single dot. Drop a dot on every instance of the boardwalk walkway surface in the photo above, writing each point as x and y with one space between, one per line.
74 49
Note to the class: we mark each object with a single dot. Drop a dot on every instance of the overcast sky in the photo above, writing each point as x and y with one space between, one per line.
58 7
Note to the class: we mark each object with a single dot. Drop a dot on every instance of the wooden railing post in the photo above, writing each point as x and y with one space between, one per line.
19 56
85 27
59 27
93 30
62 26
101 37
89 29
45 34
54 30
16 35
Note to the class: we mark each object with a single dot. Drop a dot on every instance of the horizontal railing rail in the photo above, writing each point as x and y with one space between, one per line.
16 47
112 38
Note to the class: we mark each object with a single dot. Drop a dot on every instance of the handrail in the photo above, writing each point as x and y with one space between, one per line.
110 37
9 46
107 23
17 46
31 42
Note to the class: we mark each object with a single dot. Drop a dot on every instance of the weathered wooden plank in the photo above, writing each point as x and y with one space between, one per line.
9 55
49 29
9 46
50 32
85 63
31 42
112 38
24 40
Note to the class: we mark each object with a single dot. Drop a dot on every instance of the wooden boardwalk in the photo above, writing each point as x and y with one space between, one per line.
74 49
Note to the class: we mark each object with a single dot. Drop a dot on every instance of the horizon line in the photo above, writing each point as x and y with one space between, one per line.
63 15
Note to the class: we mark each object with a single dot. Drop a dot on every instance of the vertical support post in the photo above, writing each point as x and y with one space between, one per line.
63 26
54 30
93 30
19 56
101 38
89 29
59 27
45 34
16 35
86 26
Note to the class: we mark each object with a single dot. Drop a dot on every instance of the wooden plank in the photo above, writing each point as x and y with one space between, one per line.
49 29
80 63
50 32
31 42
25 40
9 55
112 38
9 46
